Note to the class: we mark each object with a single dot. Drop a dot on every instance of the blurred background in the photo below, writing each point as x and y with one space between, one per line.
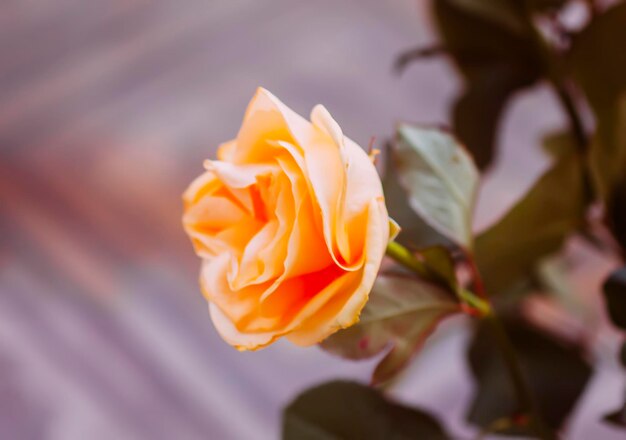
107 110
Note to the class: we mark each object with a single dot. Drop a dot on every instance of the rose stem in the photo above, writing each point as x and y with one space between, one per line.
481 302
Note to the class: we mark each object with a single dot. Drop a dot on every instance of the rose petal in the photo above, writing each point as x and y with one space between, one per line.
321 118
293 226
335 306
208 212
263 258
345 309
267 119
204 184
251 340
306 251
362 185
238 304
238 176
239 340
226 151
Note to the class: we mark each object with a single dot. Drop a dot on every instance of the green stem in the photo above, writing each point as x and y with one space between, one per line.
407 259
478 303
404 256
512 363
525 398
481 303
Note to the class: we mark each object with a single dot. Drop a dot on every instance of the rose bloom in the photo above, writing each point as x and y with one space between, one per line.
291 226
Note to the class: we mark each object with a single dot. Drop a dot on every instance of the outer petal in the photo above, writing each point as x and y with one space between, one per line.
362 185
238 176
314 302
237 304
206 183
322 119
343 200
345 310
226 151
239 340
267 119
203 196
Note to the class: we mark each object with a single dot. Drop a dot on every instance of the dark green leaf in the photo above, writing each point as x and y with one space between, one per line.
559 144
477 112
419 53
495 58
546 5
616 212
347 410
556 374
607 154
552 275
535 227
506 13
598 61
440 178
615 295
400 314
415 233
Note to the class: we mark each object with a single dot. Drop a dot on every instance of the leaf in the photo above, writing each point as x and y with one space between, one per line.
440 178
407 57
494 58
400 314
607 153
508 14
616 212
598 62
556 374
504 12
535 227
559 144
553 276
546 5
477 112
615 295
350 411
614 289
415 232
600 73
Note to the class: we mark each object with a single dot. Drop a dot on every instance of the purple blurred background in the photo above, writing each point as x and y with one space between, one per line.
107 110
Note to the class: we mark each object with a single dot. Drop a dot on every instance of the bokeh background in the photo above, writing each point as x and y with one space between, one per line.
107 110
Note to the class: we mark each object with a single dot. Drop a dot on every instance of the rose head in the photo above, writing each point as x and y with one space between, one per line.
291 227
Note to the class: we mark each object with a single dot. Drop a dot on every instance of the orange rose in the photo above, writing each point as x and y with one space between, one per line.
291 227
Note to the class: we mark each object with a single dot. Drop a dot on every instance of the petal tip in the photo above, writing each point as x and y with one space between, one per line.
322 119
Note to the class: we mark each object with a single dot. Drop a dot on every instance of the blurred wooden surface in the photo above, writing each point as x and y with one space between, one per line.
107 110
